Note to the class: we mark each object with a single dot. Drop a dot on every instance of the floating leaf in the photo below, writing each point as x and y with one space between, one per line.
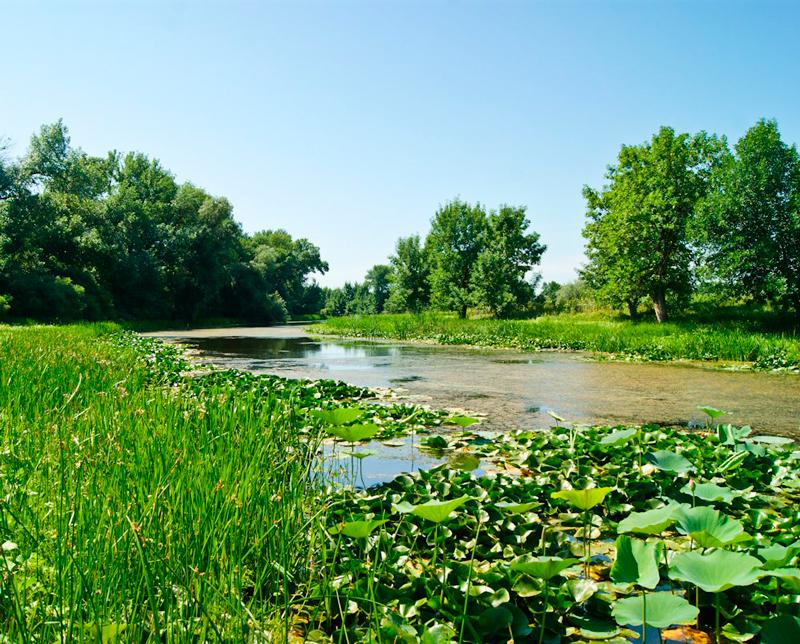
772 440
354 433
670 462
437 634
716 571
619 437
435 442
541 567
651 521
338 416
636 562
709 527
461 421
358 529
464 462
583 499
659 610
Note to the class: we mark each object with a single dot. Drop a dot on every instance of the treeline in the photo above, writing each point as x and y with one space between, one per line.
684 213
471 258
85 237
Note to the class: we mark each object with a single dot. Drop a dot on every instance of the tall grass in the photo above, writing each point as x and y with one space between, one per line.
138 511
732 340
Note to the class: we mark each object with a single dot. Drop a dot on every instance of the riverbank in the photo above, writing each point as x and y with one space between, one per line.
724 342
143 499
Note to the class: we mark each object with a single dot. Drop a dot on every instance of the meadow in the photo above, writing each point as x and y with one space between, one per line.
145 499
734 340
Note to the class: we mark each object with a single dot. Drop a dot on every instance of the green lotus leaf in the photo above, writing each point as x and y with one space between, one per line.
732 462
583 499
541 567
660 610
712 412
461 421
783 573
354 433
593 628
339 416
556 417
435 442
358 529
436 511
620 437
772 440
710 492
651 521
730 435
582 589
437 634
636 562
716 571
668 461
780 630
777 555
516 508
709 527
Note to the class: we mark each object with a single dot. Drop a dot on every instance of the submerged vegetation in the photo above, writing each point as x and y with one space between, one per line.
144 498
735 341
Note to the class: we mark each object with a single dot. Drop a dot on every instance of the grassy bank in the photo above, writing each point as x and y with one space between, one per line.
726 341
141 502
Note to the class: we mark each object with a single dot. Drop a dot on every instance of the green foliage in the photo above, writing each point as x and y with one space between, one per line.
637 239
409 289
498 278
116 236
453 245
636 562
658 610
750 220
716 571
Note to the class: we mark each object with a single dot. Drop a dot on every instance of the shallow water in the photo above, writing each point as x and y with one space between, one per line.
512 389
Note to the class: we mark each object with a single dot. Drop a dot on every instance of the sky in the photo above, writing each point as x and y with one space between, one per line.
349 123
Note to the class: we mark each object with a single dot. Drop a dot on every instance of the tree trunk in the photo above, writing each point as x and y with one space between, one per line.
633 309
660 305
462 312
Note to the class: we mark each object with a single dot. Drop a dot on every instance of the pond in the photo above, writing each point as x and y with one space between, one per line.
512 389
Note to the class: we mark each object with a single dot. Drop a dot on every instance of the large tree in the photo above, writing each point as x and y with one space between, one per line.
499 281
377 281
637 242
409 289
455 241
750 220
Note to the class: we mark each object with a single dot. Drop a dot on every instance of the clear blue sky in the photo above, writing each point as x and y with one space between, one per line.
350 122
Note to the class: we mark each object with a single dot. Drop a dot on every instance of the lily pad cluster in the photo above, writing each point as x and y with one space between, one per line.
577 534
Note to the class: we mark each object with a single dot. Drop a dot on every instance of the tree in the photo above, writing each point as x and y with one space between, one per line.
637 242
409 289
498 279
377 281
455 241
750 220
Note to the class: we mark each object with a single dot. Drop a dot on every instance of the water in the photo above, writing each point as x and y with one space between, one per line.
512 389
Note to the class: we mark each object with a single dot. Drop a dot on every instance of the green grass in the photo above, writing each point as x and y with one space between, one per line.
734 340
140 507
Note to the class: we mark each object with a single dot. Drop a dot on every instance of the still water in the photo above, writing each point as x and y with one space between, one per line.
509 388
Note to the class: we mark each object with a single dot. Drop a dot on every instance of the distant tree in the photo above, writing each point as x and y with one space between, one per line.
574 297
377 281
637 242
455 241
548 295
498 279
409 289
750 223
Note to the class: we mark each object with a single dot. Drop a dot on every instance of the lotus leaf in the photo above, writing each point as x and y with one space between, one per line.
583 499
338 416
651 521
461 421
436 511
776 555
354 433
516 508
716 571
709 527
660 610
358 529
541 567
620 437
712 412
668 461
636 562
780 630
710 492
